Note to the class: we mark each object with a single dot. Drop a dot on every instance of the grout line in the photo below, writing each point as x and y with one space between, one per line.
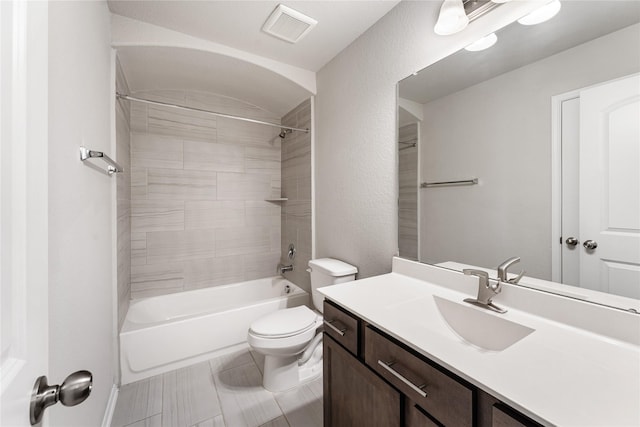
215 386
284 414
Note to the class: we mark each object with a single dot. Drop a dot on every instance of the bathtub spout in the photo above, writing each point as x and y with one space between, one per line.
281 269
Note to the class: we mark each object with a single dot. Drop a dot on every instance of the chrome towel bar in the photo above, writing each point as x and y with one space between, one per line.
471 181
112 166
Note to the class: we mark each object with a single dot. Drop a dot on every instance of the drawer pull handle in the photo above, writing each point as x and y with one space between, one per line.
335 329
417 388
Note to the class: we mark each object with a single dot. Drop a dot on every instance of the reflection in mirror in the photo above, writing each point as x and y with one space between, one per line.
408 190
548 122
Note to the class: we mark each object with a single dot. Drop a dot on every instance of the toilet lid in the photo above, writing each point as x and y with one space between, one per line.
284 323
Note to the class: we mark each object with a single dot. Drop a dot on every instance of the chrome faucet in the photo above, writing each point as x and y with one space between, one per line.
281 269
486 290
502 271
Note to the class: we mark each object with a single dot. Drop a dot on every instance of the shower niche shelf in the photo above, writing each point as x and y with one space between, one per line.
277 199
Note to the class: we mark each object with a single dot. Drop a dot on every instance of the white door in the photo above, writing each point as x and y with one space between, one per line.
610 187
570 137
23 205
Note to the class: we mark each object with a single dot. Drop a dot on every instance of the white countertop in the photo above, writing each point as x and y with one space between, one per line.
558 375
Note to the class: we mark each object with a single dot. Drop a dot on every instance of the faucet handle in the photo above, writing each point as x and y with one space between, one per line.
496 288
516 279
478 273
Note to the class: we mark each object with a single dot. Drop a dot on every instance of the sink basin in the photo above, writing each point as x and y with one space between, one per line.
485 330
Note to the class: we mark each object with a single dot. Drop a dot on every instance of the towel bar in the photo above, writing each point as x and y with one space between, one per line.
112 166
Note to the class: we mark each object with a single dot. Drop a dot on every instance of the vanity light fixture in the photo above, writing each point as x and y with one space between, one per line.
452 18
484 43
541 14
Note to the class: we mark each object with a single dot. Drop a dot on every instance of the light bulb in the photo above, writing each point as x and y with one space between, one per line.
542 14
452 18
484 43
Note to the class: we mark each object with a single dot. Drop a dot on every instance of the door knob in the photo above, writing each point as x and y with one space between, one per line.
74 390
590 244
571 241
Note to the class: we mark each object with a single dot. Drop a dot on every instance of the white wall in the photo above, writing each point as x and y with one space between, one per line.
80 206
355 148
506 142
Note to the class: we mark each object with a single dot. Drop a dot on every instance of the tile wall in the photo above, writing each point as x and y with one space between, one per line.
198 188
408 193
123 197
296 186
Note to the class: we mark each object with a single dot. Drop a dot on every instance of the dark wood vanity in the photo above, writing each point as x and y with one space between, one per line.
372 379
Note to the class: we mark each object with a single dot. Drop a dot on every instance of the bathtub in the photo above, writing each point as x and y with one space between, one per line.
167 332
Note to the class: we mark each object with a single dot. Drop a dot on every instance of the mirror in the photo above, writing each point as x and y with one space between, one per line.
526 118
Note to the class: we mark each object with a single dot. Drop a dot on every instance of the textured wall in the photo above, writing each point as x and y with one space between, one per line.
198 187
356 129
123 198
296 186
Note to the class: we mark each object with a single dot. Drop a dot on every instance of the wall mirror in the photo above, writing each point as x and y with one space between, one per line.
531 148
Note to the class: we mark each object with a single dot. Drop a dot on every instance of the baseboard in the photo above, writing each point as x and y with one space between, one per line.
111 406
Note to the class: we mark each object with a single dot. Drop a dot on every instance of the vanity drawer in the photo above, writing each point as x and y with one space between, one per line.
415 416
441 396
503 416
341 326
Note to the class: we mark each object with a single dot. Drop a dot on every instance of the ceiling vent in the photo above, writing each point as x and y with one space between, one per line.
288 24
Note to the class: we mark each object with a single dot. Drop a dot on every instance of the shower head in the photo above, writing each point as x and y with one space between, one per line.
284 132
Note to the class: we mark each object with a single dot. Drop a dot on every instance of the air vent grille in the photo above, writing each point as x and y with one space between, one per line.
288 24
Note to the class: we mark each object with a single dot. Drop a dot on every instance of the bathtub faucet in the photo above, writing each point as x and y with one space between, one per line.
284 268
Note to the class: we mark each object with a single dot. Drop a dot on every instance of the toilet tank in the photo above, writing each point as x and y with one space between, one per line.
326 272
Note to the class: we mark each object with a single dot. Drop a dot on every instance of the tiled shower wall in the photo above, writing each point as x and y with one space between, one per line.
198 188
408 192
123 198
296 186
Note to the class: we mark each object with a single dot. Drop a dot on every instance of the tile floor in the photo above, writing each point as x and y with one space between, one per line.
223 392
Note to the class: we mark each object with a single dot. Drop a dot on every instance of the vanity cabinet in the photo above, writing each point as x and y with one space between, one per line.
342 326
353 395
502 416
372 379
415 416
447 399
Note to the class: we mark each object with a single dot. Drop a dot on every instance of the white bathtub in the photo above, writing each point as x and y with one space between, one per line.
167 332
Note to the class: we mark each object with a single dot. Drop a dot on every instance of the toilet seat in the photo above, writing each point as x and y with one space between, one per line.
285 323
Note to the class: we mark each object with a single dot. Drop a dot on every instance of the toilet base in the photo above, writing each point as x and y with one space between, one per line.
285 373
280 373
312 369
310 373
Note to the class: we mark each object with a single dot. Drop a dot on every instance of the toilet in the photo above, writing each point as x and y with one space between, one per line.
290 339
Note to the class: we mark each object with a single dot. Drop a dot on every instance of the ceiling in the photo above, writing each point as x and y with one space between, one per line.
576 23
161 68
238 24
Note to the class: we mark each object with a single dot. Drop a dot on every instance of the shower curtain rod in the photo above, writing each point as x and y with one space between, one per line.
228 116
